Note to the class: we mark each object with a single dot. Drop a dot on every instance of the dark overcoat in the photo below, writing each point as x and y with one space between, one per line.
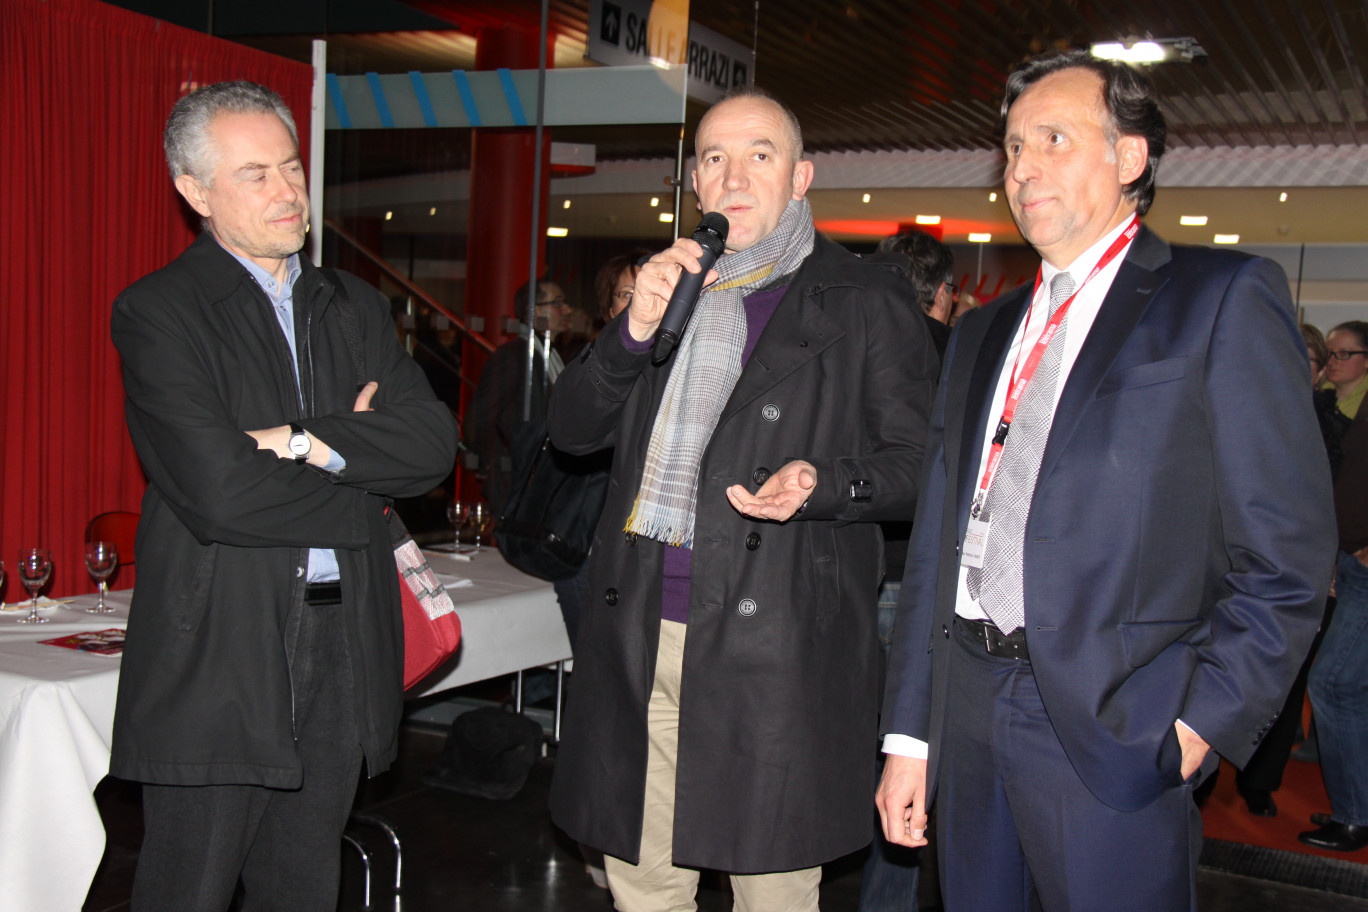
777 728
205 693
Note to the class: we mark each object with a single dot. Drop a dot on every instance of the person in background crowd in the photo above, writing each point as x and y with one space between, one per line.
931 269
725 676
264 658
498 403
614 283
1112 572
1347 370
1338 683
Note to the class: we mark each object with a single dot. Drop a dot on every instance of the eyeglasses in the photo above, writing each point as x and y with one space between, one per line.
554 302
624 295
953 289
1346 355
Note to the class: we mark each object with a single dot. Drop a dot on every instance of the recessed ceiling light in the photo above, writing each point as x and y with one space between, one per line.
1282 197
1157 50
992 197
432 211
557 232
928 220
565 205
667 216
866 198
1192 221
388 216
1226 239
655 201
980 237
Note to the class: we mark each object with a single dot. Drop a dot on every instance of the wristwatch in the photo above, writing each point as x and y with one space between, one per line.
861 491
300 444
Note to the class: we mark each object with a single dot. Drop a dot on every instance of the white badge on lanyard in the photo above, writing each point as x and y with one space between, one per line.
975 543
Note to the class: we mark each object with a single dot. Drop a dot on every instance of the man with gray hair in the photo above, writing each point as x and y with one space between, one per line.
265 646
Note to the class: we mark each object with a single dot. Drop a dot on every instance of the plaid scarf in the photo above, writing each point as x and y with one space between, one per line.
707 365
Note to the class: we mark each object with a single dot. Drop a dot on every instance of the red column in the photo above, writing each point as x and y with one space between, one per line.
501 172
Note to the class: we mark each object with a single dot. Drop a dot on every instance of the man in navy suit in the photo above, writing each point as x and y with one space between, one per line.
1115 570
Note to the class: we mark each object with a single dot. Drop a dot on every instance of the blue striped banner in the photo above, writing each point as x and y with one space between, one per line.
511 93
381 106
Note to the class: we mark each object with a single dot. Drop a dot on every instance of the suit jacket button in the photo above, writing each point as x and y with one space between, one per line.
746 607
752 541
630 538
770 412
760 475
945 630
611 596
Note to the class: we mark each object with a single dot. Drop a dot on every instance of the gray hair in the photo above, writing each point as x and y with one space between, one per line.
187 129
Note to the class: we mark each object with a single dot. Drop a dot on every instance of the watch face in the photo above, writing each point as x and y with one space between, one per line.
299 445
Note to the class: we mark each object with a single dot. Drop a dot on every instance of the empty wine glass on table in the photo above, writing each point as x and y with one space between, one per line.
456 514
101 558
35 567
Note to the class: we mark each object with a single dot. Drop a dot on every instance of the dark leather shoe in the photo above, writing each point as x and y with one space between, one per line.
1261 804
1321 819
1337 837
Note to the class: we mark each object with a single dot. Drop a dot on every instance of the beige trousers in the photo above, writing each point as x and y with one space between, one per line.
655 884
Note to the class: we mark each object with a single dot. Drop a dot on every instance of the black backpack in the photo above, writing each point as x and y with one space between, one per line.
548 523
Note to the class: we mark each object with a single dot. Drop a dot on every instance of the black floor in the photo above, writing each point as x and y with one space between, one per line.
476 855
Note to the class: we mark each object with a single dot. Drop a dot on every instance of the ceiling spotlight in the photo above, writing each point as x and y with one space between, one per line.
992 197
557 232
980 237
928 220
1282 197
432 211
655 201
388 216
1226 239
866 198
565 205
1192 221
1152 50
667 216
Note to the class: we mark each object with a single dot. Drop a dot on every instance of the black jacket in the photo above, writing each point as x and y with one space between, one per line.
778 717
205 692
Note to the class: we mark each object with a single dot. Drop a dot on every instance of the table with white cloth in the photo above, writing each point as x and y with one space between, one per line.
57 715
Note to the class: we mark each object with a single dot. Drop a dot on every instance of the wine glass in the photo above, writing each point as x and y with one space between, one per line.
35 566
101 558
456 514
482 518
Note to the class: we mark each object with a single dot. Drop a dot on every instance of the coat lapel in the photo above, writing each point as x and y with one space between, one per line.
967 420
797 332
1131 292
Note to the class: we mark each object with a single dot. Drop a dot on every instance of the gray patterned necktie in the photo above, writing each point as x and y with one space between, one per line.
997 585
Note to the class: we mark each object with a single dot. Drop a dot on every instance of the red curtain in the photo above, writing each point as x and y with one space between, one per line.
87 207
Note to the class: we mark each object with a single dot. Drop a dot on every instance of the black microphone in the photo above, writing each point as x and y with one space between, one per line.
711 235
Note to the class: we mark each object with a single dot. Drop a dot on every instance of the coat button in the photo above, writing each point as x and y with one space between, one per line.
746 607
610 596
770 412
945 630
760 475
630 538
752 541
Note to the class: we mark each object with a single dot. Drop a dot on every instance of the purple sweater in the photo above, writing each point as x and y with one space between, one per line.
674 596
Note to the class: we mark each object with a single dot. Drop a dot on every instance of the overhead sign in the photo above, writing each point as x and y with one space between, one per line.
633 32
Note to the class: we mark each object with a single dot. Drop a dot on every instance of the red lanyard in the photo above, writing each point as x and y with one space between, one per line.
1021 381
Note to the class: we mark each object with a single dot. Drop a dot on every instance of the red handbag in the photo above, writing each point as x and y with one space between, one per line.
432 629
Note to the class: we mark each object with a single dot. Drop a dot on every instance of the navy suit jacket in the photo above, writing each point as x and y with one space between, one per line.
1181 535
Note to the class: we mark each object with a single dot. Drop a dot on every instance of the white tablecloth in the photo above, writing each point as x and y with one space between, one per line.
57 713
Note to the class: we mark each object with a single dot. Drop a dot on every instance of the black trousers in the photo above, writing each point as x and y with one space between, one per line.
284 844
